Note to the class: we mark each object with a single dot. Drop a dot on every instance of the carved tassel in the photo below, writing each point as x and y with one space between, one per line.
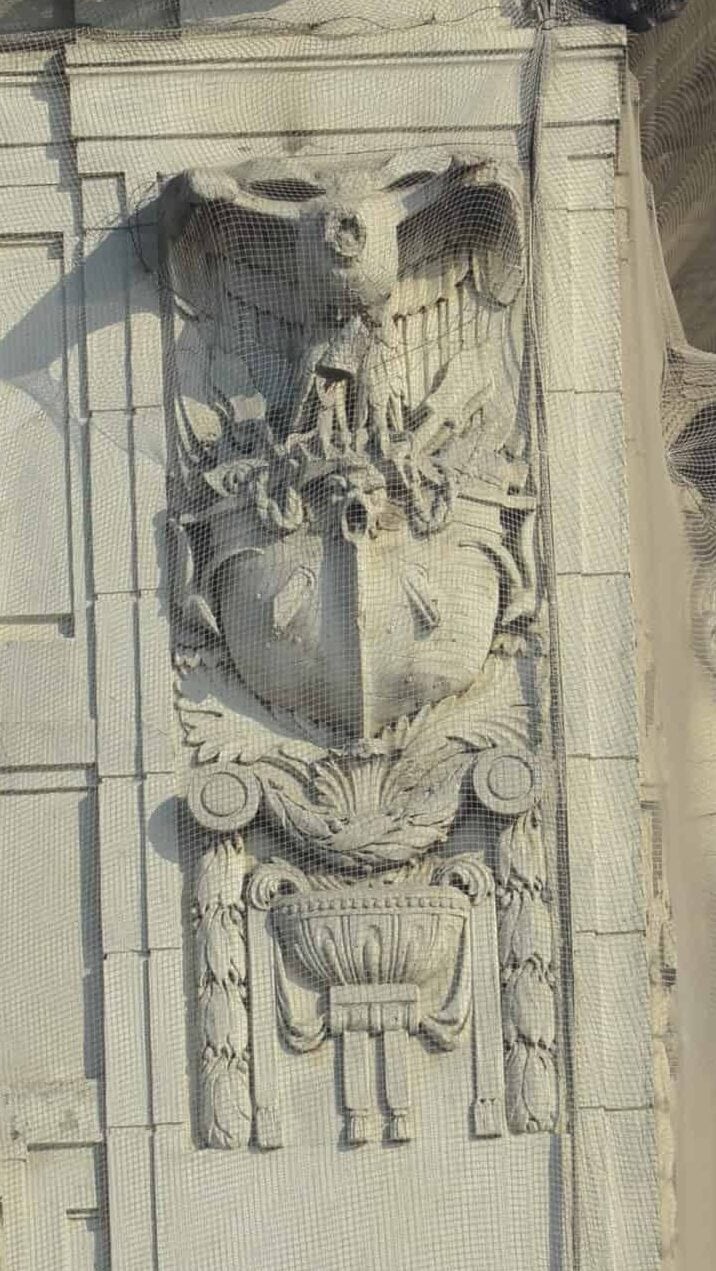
220 961
357 1100
487 1113
397 1085
267 1123
525 949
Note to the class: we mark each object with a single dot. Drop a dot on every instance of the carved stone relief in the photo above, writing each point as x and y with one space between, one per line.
359 636
689 397
638 15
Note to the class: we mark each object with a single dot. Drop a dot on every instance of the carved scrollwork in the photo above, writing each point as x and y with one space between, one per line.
468 874
275 878
224 798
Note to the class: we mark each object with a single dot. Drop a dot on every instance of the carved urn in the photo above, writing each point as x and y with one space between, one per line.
380 953
367 936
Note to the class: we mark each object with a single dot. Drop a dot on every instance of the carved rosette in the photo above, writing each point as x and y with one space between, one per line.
355 596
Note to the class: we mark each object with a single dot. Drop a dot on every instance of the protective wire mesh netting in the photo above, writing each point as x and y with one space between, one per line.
341 797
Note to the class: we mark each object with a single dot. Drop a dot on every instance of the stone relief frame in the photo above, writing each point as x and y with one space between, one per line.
349 432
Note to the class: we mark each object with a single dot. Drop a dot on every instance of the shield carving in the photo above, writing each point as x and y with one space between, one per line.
352 633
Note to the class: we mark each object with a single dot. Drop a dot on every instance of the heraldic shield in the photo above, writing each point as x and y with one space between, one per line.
354 503
364 629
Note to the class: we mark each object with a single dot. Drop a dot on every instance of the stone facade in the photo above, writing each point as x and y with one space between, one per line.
324 776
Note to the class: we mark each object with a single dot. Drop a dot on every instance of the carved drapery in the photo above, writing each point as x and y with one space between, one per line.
354 500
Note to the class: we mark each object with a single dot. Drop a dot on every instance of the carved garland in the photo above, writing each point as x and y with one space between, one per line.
222 1006
528 985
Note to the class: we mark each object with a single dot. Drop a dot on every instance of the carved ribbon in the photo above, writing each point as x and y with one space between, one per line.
466 873
265 883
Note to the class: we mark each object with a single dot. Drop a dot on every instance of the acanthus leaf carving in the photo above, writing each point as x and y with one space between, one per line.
232 728
383 800
492 711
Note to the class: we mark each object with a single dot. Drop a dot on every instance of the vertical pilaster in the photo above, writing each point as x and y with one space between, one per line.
145 1084
612 1091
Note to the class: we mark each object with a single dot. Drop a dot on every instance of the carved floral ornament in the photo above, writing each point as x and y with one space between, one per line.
354 504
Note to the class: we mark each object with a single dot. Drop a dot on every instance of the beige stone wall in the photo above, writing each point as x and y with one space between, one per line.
99 1149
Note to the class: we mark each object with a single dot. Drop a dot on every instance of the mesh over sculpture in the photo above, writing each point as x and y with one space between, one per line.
414 405
359 627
